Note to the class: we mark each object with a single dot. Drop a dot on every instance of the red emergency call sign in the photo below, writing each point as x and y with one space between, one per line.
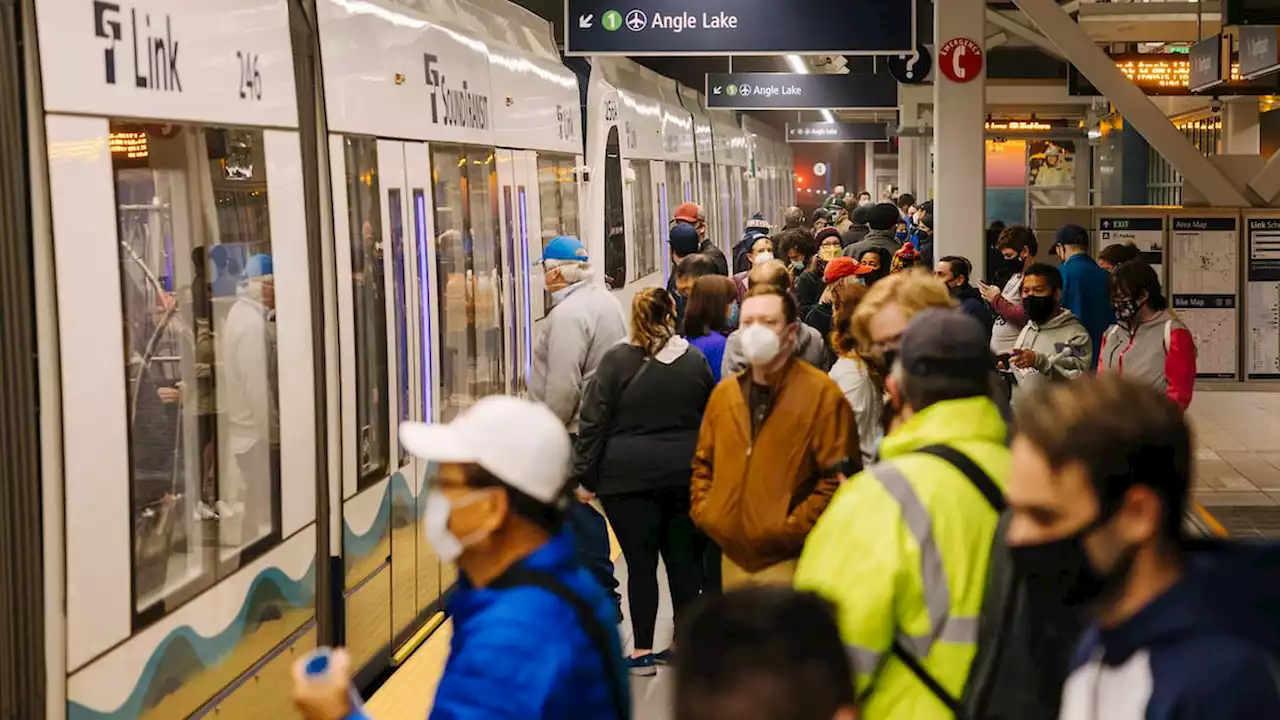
960 59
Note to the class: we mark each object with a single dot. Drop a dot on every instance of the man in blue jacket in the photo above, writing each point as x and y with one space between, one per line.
1101 474
1085 290
533 633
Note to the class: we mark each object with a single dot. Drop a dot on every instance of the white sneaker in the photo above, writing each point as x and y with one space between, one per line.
204 512
225 510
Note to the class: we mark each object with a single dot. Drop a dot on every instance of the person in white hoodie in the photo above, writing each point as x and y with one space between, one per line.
1053 345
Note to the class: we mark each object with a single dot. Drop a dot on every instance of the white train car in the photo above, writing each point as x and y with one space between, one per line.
255 247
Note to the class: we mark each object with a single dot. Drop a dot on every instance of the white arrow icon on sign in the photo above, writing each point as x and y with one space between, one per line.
716 91
585 21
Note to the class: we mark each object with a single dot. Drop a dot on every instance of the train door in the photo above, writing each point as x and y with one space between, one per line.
686 182
737 205
421 293
517 172
668 200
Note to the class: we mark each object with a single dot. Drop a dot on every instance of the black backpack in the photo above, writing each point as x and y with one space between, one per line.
1024 646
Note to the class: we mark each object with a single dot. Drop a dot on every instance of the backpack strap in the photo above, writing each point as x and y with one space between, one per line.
1168 334
995 498
976 475
517 576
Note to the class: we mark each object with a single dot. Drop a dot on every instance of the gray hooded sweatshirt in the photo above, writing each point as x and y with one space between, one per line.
1063 352
809 347
584 323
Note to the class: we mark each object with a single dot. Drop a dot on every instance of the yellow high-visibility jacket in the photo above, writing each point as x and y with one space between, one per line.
903 550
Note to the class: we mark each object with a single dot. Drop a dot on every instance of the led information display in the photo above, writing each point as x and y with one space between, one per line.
1168 75
743 27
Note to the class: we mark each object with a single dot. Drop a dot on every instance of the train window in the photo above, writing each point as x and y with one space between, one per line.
368 288
486 268
615 224
395 207
707 200
424 292
642 219
673 192
468 262
198 293
558 199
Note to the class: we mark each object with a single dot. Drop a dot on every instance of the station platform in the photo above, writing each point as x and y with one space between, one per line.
1236 494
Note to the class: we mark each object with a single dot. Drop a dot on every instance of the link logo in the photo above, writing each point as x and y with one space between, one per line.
453 107
155 57
109 29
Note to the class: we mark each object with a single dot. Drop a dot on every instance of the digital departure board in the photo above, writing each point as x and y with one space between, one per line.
1170 74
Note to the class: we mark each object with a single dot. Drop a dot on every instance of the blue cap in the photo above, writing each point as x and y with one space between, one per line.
565 248
258 265
684 239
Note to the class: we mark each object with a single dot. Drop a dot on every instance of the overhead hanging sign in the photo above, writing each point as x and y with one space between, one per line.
1259 50
837 132
1168 74
744 27
800 91
1205 72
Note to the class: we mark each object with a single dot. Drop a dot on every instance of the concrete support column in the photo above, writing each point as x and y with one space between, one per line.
1241 127
959 113
869 169
908 147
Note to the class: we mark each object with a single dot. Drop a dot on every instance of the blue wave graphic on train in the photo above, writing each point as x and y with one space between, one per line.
357 546
184 652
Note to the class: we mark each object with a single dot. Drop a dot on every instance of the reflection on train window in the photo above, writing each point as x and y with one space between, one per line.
198 292
707 200
424 293
558 200
615 225
468 262
642 239
395 209
673 194
368 289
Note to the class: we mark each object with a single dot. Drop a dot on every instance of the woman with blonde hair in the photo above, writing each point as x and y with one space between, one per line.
861 386
634 450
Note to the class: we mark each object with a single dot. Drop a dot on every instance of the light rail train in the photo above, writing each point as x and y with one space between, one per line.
247 239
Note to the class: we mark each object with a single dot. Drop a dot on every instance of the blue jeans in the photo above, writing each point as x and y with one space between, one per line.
592 534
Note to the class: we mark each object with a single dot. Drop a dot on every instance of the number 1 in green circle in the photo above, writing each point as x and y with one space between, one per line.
612 20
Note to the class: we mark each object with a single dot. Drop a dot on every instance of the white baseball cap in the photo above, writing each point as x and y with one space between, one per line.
522 443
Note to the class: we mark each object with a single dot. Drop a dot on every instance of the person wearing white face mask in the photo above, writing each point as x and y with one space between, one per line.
533 634
808 345
585 321
776 441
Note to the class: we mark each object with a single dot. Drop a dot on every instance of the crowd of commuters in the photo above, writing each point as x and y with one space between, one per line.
880 488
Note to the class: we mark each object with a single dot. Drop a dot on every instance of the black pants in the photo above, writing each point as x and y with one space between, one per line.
592 534
710 556
648 523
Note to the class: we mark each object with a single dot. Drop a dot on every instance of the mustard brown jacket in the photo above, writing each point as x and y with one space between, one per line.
758 494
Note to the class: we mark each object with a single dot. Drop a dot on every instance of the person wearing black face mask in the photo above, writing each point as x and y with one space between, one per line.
1101 475
1053 345
1018 246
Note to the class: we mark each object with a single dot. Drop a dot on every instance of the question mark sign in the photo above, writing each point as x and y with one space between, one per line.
911 64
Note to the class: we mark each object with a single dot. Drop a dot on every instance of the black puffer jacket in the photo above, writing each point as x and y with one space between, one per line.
640 419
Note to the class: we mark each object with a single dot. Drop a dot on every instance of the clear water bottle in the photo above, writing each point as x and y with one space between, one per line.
317 667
